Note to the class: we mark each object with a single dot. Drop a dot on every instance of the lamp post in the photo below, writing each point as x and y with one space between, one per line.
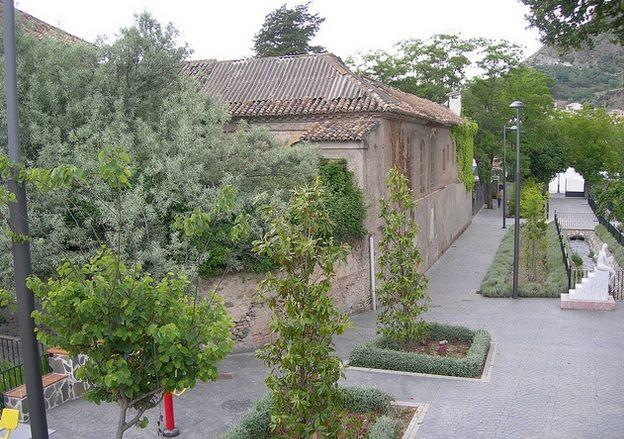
517 105
505 129
21 250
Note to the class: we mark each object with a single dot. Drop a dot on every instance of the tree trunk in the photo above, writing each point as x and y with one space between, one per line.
121 424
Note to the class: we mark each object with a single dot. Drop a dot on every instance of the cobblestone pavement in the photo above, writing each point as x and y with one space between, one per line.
556 374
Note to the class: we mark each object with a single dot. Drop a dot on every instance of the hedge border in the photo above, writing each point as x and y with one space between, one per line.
495 281
255 423
383 354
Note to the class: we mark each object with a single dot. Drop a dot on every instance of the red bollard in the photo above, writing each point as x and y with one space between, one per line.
170 428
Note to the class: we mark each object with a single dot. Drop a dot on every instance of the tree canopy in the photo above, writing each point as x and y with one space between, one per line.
75 99
573 23
433 68
288 31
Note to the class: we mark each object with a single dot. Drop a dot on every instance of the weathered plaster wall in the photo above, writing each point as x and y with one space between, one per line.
444 210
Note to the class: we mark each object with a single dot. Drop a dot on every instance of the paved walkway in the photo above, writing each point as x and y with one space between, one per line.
557 374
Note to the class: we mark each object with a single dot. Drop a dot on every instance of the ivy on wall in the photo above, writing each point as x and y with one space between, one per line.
464 136
345 201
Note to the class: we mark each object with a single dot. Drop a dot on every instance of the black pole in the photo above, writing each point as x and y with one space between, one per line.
21 250
504 176
517 106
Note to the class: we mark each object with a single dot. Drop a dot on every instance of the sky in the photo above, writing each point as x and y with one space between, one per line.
224 29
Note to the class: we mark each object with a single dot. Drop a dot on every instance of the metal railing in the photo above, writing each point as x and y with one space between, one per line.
578 221
614 231
564 251
11 364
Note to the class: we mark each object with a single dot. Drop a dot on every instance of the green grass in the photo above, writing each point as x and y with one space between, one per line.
496 282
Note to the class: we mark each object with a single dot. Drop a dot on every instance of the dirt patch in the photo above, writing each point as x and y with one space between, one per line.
440 348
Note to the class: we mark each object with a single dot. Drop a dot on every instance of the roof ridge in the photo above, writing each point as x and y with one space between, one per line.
353 77
254 58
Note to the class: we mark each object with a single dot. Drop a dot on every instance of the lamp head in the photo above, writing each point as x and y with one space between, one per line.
517 104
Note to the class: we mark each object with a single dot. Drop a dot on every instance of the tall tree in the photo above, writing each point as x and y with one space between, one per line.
288 31
434 67
572 23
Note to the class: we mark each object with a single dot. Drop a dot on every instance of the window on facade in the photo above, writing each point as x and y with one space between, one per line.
422 168
432 163
444 158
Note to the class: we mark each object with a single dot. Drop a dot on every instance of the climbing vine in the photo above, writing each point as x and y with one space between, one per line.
464 136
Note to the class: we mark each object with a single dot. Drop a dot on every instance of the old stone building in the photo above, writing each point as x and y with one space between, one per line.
316 98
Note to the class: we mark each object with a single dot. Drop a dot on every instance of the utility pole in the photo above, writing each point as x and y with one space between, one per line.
20 248
517 105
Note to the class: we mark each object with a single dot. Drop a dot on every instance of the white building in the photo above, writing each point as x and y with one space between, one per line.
570 183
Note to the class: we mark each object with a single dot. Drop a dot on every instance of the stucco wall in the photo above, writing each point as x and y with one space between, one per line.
444 210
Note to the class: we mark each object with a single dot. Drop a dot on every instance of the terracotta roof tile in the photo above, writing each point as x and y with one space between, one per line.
341 130
316 84
39 28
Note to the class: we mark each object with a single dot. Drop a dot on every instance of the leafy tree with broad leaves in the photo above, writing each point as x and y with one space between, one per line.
433 68
486 100
141 335
288 31
594 142
573 23
403 288
304 368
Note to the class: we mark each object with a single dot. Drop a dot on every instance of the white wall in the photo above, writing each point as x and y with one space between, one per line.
570 181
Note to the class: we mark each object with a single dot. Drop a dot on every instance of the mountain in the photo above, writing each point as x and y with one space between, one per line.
594 75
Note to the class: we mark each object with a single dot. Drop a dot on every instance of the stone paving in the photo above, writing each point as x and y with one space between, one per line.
556 374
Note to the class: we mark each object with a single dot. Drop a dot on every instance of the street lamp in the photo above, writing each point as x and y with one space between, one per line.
517 105
505 129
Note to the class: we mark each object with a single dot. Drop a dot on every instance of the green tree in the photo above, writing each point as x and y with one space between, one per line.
433 68
141 335
532 208
76 98
288 31
486 100
594 143
304 368
403 288
572 23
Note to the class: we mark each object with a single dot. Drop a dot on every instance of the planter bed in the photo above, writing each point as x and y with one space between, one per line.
370 410
497 280
384 354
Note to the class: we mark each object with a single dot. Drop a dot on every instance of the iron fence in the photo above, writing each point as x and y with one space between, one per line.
564 252
614 231
11 364
578 221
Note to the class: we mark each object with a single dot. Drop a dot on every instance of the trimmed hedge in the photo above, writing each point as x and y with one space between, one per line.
496 283
385 354
255 423
615 247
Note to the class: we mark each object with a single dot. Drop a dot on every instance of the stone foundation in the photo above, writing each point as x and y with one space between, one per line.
59 386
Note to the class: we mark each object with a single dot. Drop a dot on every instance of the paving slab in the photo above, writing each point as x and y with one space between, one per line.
556 373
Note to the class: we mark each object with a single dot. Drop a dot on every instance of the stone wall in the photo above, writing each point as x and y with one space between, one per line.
59 386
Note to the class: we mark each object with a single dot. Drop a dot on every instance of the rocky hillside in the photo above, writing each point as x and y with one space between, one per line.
593 75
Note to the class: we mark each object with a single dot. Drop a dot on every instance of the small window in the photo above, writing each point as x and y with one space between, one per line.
432 162
444 159
422 169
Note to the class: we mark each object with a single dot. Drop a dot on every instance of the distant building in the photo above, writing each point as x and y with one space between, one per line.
39 28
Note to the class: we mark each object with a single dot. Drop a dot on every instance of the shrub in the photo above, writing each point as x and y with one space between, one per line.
403 288
304 368
383 353
577 260
384 428
255 423
532 207
345 202
496 282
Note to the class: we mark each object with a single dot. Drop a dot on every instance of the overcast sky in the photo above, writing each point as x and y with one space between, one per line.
224 29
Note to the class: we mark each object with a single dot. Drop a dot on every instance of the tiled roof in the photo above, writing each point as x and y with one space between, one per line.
39 28
341 130
298 85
